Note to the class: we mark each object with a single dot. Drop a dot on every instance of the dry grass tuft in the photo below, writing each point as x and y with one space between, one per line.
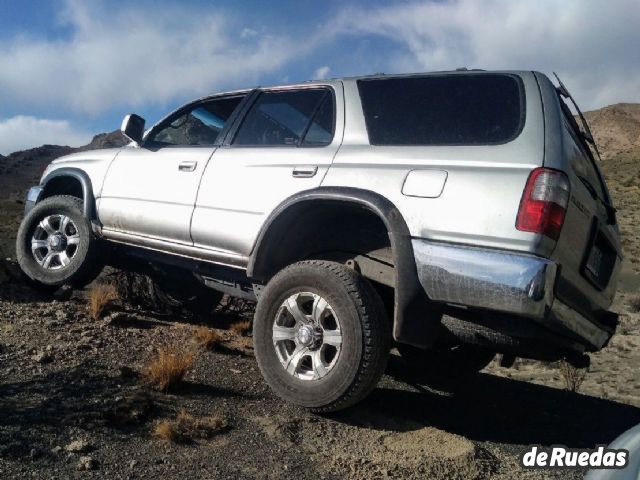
186 428
207 338
573 377
246 342
100 298
242 327
167 369
165 430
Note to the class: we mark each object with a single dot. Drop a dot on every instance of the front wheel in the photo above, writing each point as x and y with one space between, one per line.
55 245
321 335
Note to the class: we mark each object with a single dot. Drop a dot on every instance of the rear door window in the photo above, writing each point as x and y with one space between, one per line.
294 118
460 109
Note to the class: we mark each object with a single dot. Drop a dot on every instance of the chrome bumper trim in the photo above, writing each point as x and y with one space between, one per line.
475 277
517 284
568 318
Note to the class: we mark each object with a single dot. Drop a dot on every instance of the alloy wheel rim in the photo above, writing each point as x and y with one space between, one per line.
55 242
307 336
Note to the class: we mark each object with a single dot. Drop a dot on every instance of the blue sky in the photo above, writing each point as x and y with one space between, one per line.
73 68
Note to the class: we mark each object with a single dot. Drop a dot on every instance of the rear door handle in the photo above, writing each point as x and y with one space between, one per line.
188 166
306 171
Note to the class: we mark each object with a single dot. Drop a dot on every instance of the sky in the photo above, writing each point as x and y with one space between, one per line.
72 68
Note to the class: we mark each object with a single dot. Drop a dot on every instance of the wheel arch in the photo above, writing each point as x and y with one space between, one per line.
415 318
70 181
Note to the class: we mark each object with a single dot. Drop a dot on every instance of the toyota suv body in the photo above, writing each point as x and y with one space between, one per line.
457 214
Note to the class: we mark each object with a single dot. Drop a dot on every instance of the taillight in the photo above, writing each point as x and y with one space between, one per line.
544 203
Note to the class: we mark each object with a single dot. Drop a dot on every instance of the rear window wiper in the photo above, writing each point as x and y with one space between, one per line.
588 137
590 187
585 131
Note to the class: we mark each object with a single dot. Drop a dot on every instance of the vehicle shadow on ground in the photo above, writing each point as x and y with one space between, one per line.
83 398
491 408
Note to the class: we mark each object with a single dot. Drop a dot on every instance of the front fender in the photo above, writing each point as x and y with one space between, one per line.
85 182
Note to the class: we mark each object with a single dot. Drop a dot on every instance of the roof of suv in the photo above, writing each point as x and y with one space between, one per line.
460 71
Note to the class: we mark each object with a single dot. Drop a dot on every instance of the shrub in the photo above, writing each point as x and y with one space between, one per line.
167 369
573 377
100 298
207 338
242 327
186 428
165 430
246 342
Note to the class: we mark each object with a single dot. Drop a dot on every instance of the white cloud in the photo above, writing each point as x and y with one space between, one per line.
130 56
592 45
22 132
248 33
321 73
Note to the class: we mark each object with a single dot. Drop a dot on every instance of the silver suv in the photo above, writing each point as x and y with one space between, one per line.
456 214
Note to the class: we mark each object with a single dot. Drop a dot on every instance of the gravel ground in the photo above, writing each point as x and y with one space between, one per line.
74 404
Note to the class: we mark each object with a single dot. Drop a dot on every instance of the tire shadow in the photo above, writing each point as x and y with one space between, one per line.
496 409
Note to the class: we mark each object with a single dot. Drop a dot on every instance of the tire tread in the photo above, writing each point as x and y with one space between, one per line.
375 331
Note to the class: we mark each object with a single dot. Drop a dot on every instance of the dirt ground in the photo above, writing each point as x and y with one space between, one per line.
67 378
73 401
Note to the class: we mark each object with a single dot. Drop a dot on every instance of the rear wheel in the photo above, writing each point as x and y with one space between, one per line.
321 335
56 246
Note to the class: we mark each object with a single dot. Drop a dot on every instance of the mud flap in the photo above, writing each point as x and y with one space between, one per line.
417 319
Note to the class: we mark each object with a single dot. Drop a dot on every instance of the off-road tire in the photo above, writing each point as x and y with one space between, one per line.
365 335
446 363
85 265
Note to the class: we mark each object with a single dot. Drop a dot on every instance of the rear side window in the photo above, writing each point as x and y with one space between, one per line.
472 109
289 118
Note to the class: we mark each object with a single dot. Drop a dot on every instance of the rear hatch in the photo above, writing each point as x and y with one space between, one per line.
588 249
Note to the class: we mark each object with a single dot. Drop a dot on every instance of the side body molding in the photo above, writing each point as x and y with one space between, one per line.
85 182
416 318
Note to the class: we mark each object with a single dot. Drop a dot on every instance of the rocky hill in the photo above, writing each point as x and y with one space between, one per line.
617 132
616 128
21 169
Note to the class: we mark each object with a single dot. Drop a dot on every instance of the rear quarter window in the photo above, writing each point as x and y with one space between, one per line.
462 109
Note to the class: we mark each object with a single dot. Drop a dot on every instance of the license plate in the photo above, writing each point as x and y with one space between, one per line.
594 264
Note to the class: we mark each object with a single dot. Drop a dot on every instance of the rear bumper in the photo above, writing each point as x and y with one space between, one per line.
515 284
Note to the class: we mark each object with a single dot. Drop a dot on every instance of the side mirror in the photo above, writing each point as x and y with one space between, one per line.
133 128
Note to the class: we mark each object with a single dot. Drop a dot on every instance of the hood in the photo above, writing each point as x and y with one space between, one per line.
88 156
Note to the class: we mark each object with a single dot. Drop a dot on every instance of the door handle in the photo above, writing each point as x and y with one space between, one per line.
188 166
306 171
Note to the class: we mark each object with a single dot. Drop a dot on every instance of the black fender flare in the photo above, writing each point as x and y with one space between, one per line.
416 318
85 183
